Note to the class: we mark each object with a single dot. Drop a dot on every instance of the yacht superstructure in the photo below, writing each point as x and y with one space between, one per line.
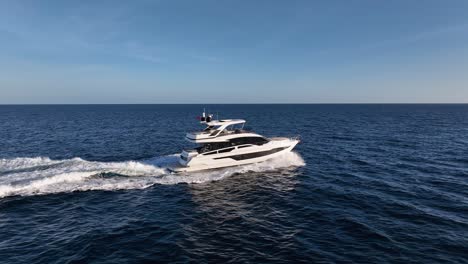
225 143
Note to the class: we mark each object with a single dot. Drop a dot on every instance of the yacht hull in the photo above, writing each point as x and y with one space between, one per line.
237 157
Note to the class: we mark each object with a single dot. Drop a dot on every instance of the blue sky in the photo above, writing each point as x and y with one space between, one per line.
222 51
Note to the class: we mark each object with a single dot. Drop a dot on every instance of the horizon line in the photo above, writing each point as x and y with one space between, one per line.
325 103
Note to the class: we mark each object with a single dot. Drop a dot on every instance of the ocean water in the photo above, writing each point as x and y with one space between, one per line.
367 184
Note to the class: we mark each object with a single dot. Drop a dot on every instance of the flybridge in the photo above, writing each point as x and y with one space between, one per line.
225 122
216 128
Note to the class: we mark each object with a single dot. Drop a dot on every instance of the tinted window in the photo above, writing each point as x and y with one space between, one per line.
214 133
213 146
248 140
208 128
225 150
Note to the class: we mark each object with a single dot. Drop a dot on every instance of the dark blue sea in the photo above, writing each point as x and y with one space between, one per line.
367 184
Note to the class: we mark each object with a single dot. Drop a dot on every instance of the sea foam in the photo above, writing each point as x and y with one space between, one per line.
42 175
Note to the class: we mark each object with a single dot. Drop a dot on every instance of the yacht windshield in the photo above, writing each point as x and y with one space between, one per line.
210 128
235 127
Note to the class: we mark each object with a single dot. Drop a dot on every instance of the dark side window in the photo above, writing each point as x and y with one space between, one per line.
213 146
248 140
225 150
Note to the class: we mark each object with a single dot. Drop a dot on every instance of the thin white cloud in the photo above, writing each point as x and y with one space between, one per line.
421 36
85 29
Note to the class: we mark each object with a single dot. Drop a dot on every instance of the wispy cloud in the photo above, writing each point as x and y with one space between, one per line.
135 50
105 29
419 37
205 58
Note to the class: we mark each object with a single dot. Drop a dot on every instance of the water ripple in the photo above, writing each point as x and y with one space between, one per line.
368 184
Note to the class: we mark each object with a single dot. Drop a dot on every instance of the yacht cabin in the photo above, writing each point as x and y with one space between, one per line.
225 135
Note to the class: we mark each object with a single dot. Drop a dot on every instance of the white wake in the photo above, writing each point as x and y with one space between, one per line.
41 175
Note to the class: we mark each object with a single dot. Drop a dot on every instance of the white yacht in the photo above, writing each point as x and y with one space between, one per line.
225 143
